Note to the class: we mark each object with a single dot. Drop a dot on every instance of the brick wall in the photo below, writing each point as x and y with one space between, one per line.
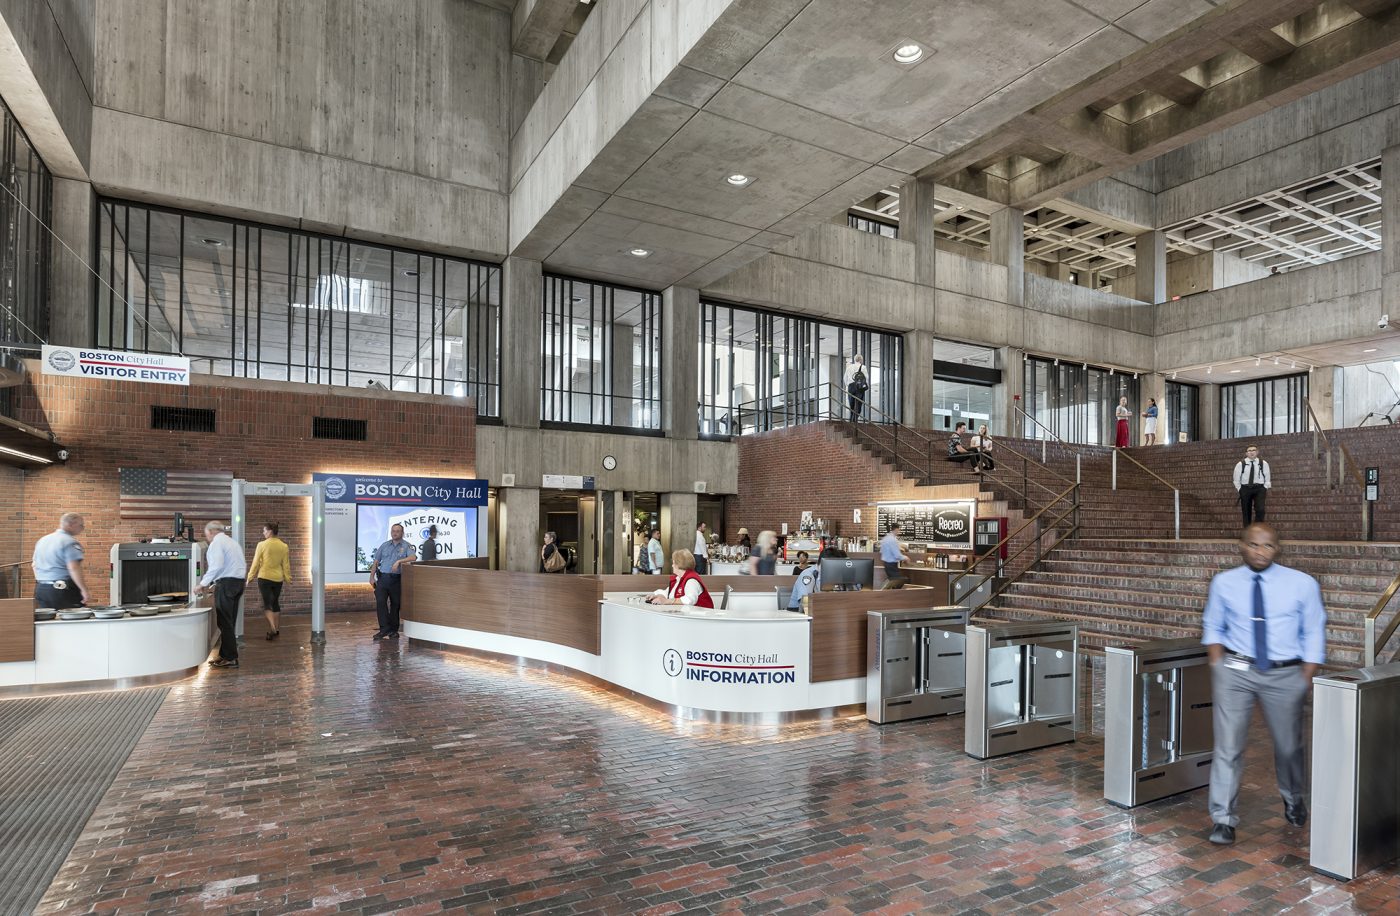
815 468
263 433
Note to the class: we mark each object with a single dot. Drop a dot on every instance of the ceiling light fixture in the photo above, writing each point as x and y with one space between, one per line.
738 180
1294 364
18 454
1135 376
1173 376
1057 360
641 252
1236 371
1256 360
1369 350
1208 368
410 273
213 243
908 53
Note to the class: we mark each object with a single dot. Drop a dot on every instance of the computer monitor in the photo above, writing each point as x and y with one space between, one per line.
846 572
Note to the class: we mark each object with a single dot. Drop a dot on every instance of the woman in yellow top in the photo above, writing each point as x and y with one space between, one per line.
272 568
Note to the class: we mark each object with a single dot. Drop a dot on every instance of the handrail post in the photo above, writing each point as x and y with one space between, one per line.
1328 472
1176 498
1043 445
1370 640
1115 469
1078 469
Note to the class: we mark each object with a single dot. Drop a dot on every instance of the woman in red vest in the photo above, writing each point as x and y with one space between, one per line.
685 586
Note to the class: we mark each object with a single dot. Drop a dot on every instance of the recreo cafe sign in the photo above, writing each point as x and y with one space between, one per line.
152 368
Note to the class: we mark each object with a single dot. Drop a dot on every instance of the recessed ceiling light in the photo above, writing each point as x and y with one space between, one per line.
1236 371
908 53
410 273
575 299
738 179
1369 350
213 243
962 208
641 252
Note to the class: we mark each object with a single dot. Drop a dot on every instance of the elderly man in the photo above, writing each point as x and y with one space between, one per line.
226 570
1265 631
58 566
386 578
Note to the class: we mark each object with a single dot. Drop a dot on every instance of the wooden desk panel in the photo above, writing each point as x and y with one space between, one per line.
554 608
838 627
16 629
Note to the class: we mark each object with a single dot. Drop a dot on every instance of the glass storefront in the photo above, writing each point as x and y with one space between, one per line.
602 355
1264 408
1076 402
1182 411
26 206
254 301
964 384
762 370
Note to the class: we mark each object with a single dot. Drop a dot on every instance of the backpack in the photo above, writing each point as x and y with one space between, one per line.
859 380
555 561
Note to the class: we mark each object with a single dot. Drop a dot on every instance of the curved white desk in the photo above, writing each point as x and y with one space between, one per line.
116 653
723 568
752 660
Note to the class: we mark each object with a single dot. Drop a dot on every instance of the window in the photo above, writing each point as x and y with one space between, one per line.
602 355
1076 402
26 205
1182 411
254 301
1264 408
870 224
964 380
762 370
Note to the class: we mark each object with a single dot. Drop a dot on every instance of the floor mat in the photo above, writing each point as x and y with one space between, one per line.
58 755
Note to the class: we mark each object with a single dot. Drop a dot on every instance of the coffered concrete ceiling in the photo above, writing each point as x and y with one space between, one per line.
801 95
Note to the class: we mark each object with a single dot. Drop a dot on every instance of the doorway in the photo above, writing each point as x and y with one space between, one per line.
573 517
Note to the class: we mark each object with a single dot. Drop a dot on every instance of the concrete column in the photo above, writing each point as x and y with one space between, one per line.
1322 382
1005 420
520 339
1208 405
1061 272
623 375
70 298
518 510
678 518
1154 385
1009 250
1390 227
917 219
916 380
680 362
617 532
1151 271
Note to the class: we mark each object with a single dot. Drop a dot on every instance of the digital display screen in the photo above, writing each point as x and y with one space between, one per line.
456 539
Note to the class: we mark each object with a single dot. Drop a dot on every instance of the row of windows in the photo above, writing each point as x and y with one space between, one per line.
26 195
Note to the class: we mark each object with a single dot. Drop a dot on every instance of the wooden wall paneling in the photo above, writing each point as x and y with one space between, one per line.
16 629
838 627
552 608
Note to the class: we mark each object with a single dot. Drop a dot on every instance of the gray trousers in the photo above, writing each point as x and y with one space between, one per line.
1281 692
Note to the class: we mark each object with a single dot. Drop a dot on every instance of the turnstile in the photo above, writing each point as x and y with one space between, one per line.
1356 773
1158 732
915 663
1022 687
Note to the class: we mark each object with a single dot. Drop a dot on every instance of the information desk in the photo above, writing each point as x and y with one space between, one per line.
751 662
111 653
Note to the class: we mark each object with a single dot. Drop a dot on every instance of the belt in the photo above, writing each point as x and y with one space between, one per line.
1284 664
53 581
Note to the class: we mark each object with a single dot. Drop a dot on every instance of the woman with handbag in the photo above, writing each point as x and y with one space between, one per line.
552 559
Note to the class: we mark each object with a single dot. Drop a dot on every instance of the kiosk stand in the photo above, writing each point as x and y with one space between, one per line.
317 493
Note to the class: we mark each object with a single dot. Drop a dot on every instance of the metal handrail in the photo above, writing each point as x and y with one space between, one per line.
1345 462
996 551
1373 645
1053 435
1012 580
1176 492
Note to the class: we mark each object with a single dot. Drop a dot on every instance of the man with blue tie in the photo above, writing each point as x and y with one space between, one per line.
1265 631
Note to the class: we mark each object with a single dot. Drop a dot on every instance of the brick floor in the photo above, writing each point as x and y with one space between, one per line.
376 777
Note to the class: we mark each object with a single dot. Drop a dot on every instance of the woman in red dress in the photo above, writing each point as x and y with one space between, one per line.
685 586
1123 413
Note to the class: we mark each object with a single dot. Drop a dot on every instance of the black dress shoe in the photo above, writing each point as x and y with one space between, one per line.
394 635
1222 835
380 635
224 663
1297 815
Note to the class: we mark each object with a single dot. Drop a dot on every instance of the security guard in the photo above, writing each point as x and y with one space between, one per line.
58 566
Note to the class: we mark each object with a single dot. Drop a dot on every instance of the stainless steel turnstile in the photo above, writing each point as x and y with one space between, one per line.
1356 772
1022 687
1158 731
915 663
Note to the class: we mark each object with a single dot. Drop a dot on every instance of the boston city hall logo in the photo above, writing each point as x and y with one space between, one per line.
62 360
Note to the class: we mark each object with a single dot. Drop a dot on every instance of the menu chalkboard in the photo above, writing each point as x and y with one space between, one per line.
945 524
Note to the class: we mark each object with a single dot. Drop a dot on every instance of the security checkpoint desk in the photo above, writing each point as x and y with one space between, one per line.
749 662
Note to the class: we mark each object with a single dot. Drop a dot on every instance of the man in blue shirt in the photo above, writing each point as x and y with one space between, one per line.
890 554
58 566
226 570
1265 631
386 577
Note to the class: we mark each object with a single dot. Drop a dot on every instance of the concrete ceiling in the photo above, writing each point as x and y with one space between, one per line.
804 96
1382 347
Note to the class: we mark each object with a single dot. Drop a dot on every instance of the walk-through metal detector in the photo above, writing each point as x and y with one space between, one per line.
317 492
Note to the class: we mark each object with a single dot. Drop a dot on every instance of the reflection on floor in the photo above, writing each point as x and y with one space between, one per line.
378 776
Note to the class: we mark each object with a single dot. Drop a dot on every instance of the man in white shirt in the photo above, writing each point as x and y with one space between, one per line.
226 569
701 551
1252 483
655 556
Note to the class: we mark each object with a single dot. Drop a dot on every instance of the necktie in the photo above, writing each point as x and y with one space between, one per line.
1251 472
1261 627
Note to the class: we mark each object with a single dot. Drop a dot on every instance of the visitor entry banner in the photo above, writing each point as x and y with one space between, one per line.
151 368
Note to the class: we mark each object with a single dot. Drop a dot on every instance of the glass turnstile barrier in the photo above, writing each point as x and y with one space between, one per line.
1158 728
1356 770
1022 686
915 663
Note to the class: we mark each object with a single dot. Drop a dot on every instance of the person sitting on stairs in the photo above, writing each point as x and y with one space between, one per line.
957 450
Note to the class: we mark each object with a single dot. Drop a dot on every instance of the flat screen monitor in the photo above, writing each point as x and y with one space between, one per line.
844 571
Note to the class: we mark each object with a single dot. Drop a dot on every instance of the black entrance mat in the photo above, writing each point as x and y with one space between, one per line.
58 755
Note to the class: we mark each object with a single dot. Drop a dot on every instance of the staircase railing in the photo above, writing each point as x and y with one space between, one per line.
1044 441
1176 491
1070 512
1346 466
1373 643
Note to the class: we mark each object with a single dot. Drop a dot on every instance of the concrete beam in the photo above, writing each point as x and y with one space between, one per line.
1151 251
42 80
1009 250
537 24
